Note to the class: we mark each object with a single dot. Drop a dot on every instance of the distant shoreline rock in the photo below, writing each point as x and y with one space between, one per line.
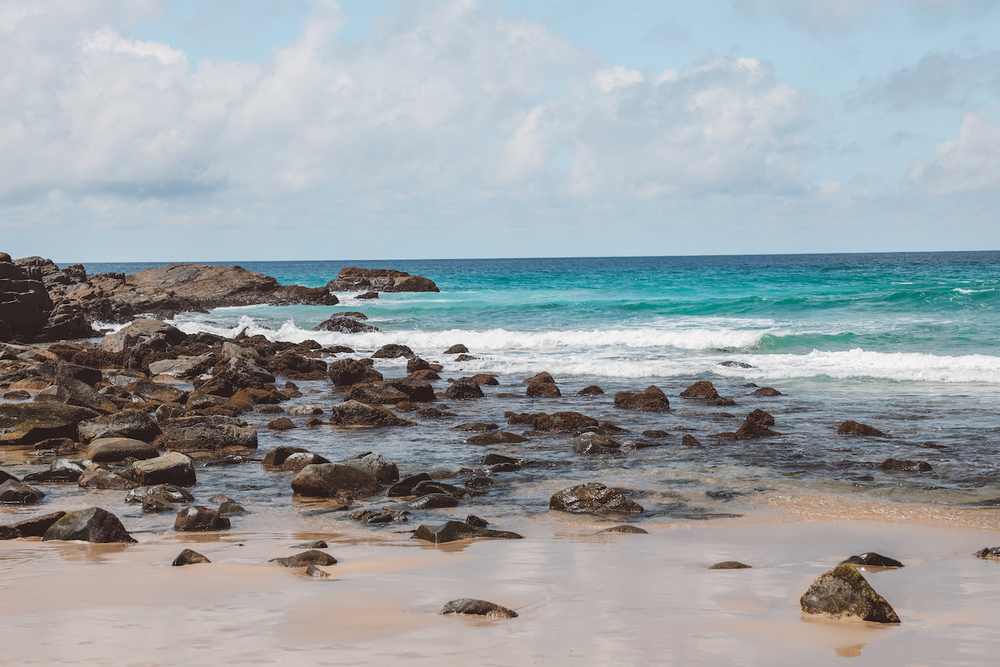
355 279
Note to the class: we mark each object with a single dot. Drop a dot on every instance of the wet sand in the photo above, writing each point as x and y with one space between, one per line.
583 598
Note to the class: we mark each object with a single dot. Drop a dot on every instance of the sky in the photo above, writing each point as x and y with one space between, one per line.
216 130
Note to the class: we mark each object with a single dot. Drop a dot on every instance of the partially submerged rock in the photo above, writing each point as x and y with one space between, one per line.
872 559
24 424
189 557
380 468
471 607
13 492
458 530
133 424
730 565
756 426
329 480
901 465
200 519
844 592
651 399
593 498
854 428
593 443
625 529
356 279
305 559
212 433
90 525
355 413
700 390
173 468
113 450
496 438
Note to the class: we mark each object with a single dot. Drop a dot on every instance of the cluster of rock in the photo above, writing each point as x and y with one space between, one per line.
354 279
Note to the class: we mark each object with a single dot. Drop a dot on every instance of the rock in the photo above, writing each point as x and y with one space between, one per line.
99 477
305 410
188 434
16 395
169 492
563 422
470 607
352 313
544 377
90 525
756 426
543 390
988 552
328 480
406 485
315 572
126 424
13 492
36 526
315 544
465 357
432 501
200 519
464 389
394 351
204 402
766 391
700 390
735 364
380 468
593 498
157 393
157 505
496 438
844 592
721 402
425 488
6 532
376 393
652 399
281 424
24 424
56 445
230 508
854 428
592 443
730 565
476 522
113 450
626 529
477 427
899 465
385 515
592 390
172 468
165 412
340 324
277 456
354 413
456 349
872 559
458 530
355 279
690 441
306 558
346 372
189 557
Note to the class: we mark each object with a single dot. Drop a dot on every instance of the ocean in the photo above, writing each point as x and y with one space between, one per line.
904 342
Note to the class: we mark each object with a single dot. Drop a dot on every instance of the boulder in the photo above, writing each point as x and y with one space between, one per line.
90 525
376 393
690 441
756 426
113 450
593 443
415 364
902 465
700 390
431 501
200 519
988 552
456 349
593 498
766 391
872 559
346 372
189 557
543 390
356 279
305 559
405 486
172 468
458 530
354 413
99 477
464 389
281 424
305 410
13 492
652 399
277 456
24 424
843 592
169 492
477 427
854 428
730 565
36 526
329 480
75 392
563 422
348 325
393 351
592 390
133 424
470 607
187 434
496 438
626 529
157 393
380 468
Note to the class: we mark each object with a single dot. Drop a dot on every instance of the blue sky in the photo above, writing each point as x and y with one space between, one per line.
237 130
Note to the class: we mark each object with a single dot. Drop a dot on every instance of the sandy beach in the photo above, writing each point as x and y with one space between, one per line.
582 598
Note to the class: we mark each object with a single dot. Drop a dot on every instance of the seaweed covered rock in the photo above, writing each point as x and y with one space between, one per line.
844 592
593 498
471 607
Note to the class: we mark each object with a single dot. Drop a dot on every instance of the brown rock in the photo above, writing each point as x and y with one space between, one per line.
700 390
593 498
756 426
854 428
354 413
652 399
543 390
843 592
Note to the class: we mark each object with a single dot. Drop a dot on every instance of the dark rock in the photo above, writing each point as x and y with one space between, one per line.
380 468
756 426
200 519
900 465
700 390
306 558
406 485
169 492
735 364
433 486
16 395
766 391
367 295
543 390
376 393
544 377
315 544
157 505
277 456
721 402
593 498
730 565
172 468
456 349
417 364
690 441
477 427
340 324
495 438
56 445
13 492
353 313
465 357
281 424
354 413
458 530
844 592
315 572
385 515
393 351
655 434
229 508
24 424
563 422
113 450
189 557
592 390
346 372
36 526
485 379
592 443
652 399
872 559
355 279
627 529
99 477
433 501
476 522
90 525
328 480
126 424
464 389
433 413
854 428
188 434
988 552
470 607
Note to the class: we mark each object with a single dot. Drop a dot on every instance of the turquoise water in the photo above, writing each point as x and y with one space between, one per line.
904 342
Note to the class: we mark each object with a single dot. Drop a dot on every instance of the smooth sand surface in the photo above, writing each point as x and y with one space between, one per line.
583 598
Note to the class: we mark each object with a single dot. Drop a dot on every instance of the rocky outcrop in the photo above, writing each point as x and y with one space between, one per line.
843 592
340 324
354 279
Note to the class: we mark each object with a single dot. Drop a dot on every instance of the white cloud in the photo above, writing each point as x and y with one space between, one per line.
970 162
443 97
